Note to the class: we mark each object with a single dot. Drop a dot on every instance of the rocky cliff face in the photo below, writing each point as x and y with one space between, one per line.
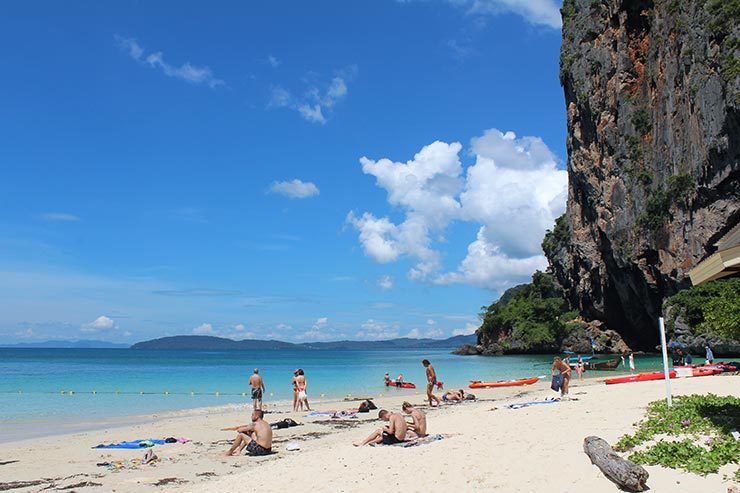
652 94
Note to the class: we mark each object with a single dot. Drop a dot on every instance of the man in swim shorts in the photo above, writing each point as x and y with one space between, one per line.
431 382
258 388
419 425
255 438
392 433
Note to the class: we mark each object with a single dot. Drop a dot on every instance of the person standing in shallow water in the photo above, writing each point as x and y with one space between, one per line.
258 388
431 382
632 362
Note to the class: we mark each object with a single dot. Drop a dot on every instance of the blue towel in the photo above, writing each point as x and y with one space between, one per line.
557 382
531 403
135 444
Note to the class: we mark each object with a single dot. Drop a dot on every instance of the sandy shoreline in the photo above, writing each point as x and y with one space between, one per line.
483 449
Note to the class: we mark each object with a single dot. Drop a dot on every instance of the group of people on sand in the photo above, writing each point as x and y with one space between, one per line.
397 429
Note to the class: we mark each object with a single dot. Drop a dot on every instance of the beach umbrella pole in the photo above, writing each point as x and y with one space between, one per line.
666 370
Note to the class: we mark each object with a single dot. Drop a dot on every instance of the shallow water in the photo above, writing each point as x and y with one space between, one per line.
36 384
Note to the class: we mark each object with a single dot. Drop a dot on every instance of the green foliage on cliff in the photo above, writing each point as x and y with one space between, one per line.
658 207
712 307
642 121
533 314
568 9
558 238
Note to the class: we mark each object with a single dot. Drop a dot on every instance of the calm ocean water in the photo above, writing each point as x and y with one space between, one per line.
32 380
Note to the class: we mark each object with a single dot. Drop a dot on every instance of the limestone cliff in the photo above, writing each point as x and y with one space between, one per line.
652 94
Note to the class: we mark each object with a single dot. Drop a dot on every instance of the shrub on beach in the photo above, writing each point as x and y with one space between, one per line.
712 307
698 430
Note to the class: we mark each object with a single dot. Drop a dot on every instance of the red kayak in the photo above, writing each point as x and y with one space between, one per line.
477 384
706 371
402 385
640 377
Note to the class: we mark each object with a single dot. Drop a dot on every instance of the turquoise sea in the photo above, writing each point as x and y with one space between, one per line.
43 389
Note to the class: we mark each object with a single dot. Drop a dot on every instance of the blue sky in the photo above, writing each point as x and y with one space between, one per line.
293 170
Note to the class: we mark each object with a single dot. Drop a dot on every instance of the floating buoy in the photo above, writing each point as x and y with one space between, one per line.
192 393
323 395
141 392
61 392
94 392
71 392
271 394
166 392
244 394
218 393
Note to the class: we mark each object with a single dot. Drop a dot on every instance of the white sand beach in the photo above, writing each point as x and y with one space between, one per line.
485 448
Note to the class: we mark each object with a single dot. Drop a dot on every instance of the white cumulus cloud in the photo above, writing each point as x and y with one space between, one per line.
187 72
100 323
465 331
513 191
203 329
385 282
295 189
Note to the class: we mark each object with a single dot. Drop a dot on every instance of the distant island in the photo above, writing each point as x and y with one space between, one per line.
220 343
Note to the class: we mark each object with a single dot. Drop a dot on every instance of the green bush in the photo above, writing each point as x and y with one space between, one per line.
642 121
708 418
712 307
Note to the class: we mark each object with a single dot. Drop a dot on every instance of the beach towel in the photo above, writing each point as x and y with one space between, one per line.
349 413
135 444
557 382
415 442
520 405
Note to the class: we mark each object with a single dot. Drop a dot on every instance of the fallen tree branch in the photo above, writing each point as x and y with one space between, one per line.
624 473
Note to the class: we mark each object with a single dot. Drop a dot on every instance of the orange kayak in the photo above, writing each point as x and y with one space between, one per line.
640 377
477 384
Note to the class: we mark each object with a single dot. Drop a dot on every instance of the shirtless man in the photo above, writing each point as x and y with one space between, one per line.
419 426
256 438
392 433
431 382
564 368
258 388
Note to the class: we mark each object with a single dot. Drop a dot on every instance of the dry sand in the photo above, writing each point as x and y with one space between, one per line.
486 448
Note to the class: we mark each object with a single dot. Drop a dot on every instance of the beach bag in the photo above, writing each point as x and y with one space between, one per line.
557 382
366 406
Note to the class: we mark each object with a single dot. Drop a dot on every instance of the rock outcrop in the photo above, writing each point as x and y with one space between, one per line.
652 94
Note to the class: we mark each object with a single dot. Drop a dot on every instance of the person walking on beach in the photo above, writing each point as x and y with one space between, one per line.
431 382
419 424
301 385
624 365
392 433
256 438
710 355
632 362
579 368
564 369
258 388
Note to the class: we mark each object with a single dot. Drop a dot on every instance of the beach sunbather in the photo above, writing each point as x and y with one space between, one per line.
454 395
431 381
419 425
255 438
394 432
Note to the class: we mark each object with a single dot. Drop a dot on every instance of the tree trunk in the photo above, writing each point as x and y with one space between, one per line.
624 473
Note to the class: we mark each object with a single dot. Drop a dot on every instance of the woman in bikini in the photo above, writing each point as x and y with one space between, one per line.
564 368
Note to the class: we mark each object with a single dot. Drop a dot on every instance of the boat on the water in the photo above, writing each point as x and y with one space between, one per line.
640 377
610 364
477 384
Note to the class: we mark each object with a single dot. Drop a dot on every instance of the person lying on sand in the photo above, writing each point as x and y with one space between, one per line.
392 433
454 395
419 425
256 438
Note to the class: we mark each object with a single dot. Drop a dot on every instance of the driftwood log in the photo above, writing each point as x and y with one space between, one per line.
627 475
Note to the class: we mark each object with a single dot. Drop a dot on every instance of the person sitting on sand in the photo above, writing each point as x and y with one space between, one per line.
419 425
392 433
431 382
258 388
256 438
564 368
